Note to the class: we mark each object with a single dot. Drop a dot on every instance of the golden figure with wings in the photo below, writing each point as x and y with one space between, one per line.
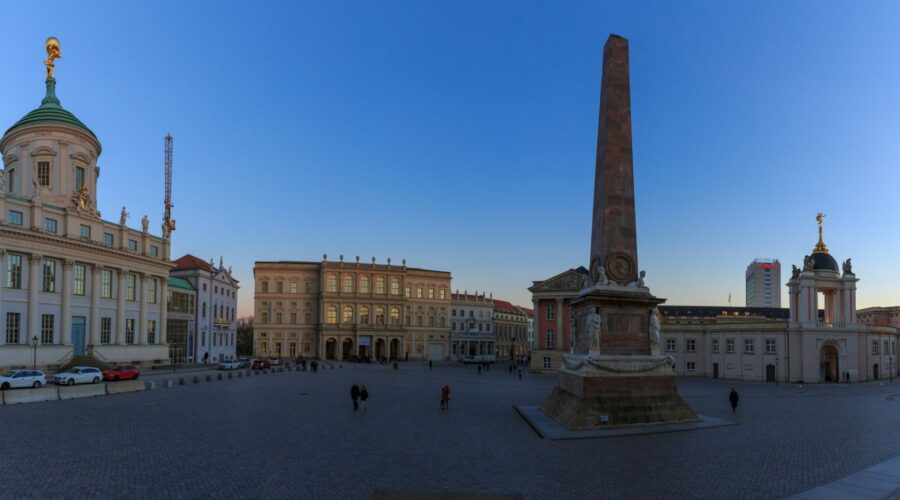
52 46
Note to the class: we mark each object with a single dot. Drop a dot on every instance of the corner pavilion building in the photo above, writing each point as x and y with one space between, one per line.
820 337
75 288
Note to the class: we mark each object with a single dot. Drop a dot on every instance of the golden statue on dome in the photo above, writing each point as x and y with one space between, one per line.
820 246
52 46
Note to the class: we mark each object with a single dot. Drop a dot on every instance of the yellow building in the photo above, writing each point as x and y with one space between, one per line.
350 310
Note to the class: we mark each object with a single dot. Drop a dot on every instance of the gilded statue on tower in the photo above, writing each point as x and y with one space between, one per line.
52 46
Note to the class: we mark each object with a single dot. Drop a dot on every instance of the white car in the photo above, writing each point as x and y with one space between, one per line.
79 375
230 364
22 378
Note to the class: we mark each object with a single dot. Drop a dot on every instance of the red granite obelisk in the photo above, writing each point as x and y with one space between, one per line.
614 375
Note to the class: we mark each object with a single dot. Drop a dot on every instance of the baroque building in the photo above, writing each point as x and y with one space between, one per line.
510 330
75 287
351 310
471 325
215 314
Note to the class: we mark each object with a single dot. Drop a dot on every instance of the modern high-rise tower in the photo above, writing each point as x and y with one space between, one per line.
763 279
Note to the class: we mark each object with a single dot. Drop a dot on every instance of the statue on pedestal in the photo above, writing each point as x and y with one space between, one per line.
594 325
654 330
36 194
808 263
123 217
848 267
145 223
795 272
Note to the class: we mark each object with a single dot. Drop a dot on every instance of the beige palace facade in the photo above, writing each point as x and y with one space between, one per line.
348 310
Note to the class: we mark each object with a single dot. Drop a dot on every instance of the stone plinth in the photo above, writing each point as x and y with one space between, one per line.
625 323
612 391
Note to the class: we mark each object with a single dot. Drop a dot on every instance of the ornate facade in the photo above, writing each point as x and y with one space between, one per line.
215 316
471 325
348 310
74 286
510 330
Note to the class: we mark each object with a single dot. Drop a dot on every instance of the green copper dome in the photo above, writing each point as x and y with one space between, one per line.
50 111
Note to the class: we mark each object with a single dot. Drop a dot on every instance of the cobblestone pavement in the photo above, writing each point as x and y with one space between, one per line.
294 435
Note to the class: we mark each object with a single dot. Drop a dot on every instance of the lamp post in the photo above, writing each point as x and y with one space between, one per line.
891 360
34 343
776 372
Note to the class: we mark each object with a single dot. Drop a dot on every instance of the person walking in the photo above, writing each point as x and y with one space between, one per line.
445 398
429 364
479 369
363 396
733 399
520 374
354 393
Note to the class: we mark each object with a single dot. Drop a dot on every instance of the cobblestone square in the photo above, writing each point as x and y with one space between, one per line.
294 435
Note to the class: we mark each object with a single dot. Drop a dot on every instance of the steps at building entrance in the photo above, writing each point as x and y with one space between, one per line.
86 361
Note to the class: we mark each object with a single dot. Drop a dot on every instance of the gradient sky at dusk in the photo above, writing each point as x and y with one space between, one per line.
461 135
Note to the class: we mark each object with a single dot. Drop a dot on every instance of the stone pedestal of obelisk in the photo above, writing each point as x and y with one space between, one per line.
614 375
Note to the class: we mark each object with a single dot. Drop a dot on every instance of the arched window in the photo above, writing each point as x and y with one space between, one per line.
395 315
379 285
379 315
348 315
549 344
395 286
363 284
332 285
348 283
331 315
363 314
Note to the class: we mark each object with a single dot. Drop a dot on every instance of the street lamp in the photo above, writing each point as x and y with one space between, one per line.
776 372
34 342
891 359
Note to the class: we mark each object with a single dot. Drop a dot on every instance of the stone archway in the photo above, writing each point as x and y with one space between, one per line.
829 363
330 349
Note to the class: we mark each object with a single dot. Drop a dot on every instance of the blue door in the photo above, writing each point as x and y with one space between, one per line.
78 335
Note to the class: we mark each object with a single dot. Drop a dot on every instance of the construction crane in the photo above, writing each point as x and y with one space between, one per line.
168 221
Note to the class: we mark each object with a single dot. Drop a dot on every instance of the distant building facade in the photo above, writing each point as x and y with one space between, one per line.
471 325
216 317
553 317
510 330
763 283
346 310
181 323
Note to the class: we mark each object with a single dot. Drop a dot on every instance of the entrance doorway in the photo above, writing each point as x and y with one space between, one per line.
346 349
379 348
830 363
875 371
78 345
715 370
395 349
770 373
330 349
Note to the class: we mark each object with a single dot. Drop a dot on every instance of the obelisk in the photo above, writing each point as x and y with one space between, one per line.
614 375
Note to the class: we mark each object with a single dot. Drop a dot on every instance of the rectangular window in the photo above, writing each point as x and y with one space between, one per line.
278 318
406 292
715 345
770 346
49 276
748 346
670 345
546 363
293 318
105 330
265 317
690 345
12 180
265 287
108 239
431 293
550 341
729 346
14 218
293 287
132 245
691 366
86 232
49 225
550 312
151 331
279 287
14 271
130 287
151 291
307 318
106 284
419 293
885 349
308 287
43 173
12 328
379 285
154 251
395 288
78 273
79 178
46 329
129 331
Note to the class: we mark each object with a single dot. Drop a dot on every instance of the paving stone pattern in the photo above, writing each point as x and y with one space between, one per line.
294 435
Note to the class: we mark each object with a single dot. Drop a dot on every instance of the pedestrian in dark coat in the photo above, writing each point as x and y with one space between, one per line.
445 397
733 399
354 393
520 374
429 364
363 396
479 369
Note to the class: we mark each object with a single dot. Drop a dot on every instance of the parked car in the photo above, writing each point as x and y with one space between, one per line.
259 364
243 363
123 372
78 375
274 361
22 378
229 364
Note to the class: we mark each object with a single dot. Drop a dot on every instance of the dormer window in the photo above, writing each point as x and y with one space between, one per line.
43 173
79 178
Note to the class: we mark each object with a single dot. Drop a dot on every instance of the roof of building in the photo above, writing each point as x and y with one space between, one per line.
715 311
189 261
528 312
823 260
50 111
181 283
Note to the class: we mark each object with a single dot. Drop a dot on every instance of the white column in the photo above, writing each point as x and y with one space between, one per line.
2 284
34 272
120 309
164 311
560 345
65 323
95 304
142 326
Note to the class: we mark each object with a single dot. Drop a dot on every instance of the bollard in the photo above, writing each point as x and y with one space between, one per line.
149 385
219 376
181 381
196 379
168 383
209 378
229 374
256 372
240 374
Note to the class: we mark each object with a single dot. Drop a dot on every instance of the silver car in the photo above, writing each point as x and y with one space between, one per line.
79 375
22 378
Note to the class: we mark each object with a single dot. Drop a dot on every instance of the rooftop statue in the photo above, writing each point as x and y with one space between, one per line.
52 47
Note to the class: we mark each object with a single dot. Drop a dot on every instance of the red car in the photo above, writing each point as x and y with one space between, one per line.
124 372
259 364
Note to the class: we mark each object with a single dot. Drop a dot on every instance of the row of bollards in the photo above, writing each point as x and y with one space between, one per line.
209 377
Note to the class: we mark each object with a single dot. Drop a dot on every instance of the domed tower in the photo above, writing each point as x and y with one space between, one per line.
50 155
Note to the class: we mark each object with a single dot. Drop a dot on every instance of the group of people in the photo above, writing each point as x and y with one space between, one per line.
304 365
360 395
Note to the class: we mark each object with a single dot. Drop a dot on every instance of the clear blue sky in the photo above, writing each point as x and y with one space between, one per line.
461 135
